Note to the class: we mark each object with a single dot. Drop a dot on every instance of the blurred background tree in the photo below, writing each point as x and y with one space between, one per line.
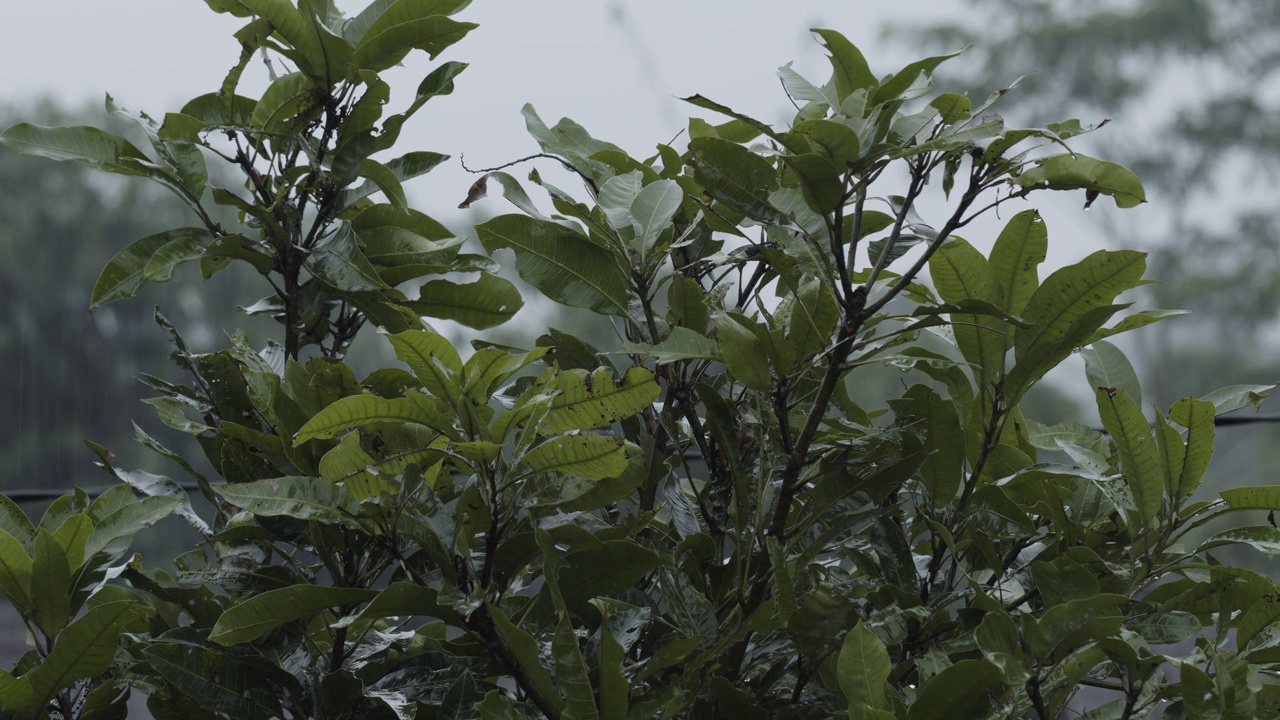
1191 87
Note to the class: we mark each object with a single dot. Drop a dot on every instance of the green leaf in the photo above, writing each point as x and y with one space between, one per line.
126 271
653 209
164 261
743 352
681 344
863 668
369 410
736 177
952 108
386 180
820 181
126 521
433 359
15 694
850 70
562 263
1165 627
1078 172
1063 628
1135 321
1235 397
218 682
896 86
50 584
298 497
1067 308
1139 455
1173 455
595 400
1106 366
1197 417
960 272
1264 539
87 146
15 572
252 618
1261 497
489 301
14 521
837 141
286 99
571 674
403 27
961 692
614 689
339 263
86 648
525 652
1019 250
594 457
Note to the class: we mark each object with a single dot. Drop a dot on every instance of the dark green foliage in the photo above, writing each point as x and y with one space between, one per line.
701 522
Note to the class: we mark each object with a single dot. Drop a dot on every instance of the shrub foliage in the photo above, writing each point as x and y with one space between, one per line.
699 521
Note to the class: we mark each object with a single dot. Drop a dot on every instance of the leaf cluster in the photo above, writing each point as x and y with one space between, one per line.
700 522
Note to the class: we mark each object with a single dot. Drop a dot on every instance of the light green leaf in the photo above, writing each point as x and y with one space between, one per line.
1018 251
1235 397
562 263
863 668
433 359
1197 417
298 497
595 400
1139 455
594 457
252 618
653 209
1067 308
1106 366
368 410
1078 172
1261 497
960 272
